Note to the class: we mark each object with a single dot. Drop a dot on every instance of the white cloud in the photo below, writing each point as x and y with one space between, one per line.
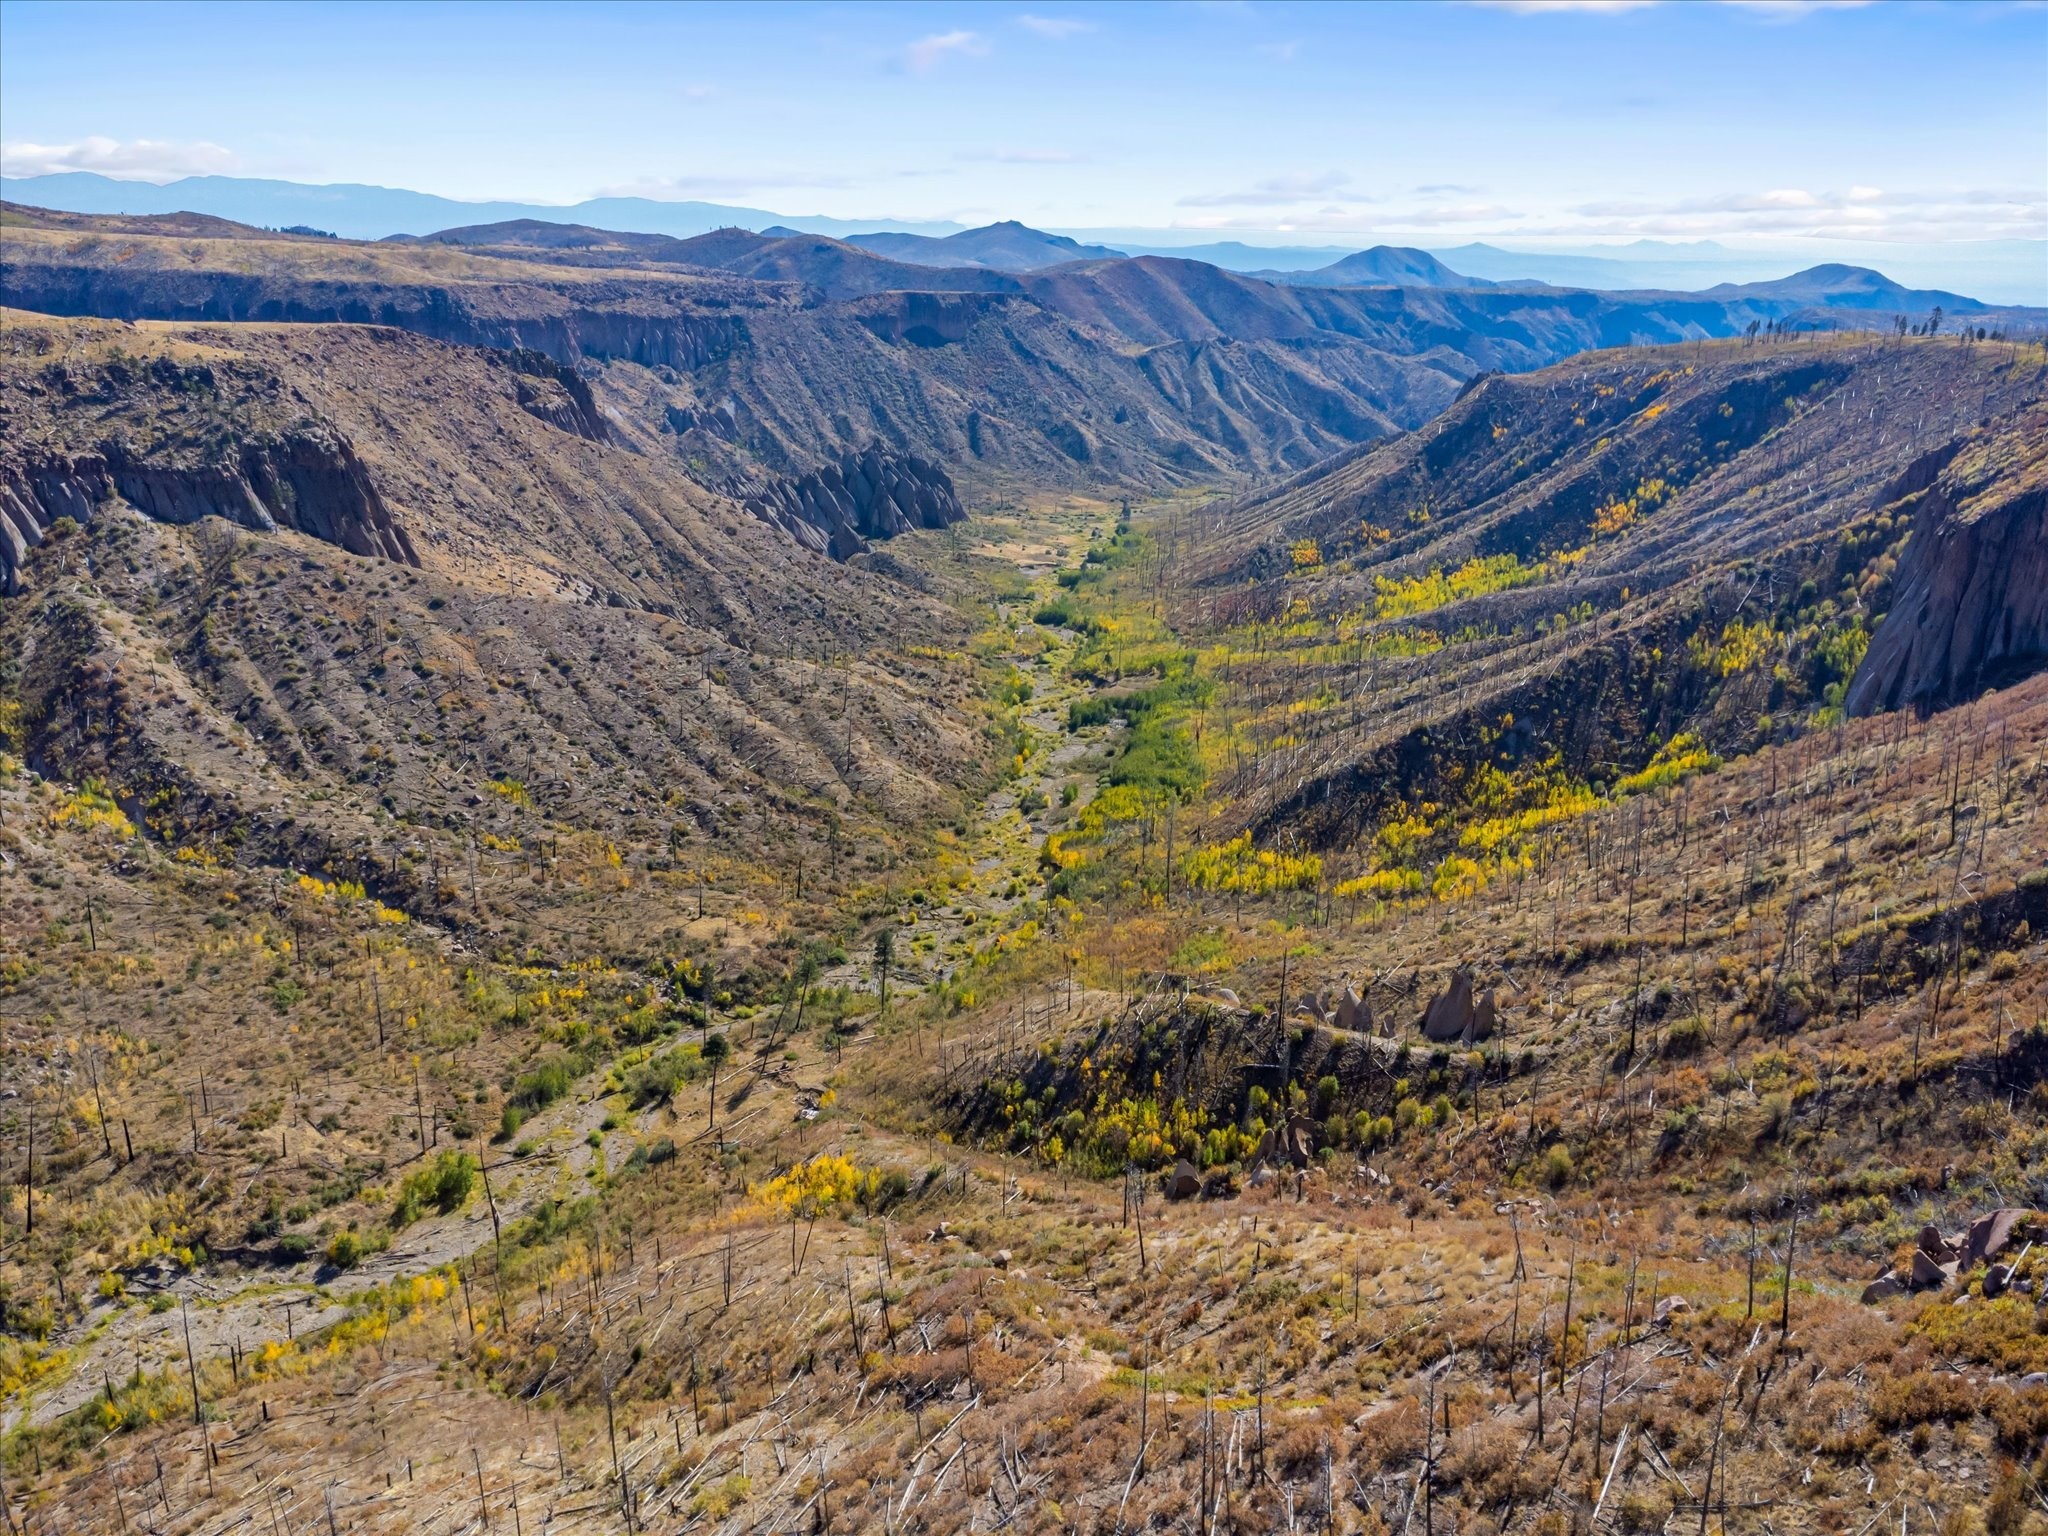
1794 10
1023 156
1058 28
129 159
927 53
1456 213
1863 212
1274 192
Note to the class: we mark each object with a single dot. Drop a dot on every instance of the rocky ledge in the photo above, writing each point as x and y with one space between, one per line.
308 479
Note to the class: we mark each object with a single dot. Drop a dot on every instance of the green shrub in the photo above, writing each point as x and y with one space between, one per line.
444 1184
1687 1037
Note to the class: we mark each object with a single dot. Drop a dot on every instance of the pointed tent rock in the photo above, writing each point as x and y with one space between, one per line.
1352 1012
1185 1183
1990 1232
1311 1004
1300 1140
1484 1016
1884 1287
1450 1016
1930 1273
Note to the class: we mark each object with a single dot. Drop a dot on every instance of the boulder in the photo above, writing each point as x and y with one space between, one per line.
1484 1015
1884 1287
1930 1273
1668 1308
1352 1012
1935 1246
1184 1183
1450 1015
1293 1143
1311 1004
1996 1279
1990 1232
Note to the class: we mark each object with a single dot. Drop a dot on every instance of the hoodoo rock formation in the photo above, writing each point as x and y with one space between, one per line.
873 494
308 479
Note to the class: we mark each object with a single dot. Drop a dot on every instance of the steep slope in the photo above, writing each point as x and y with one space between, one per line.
1601 557
1144 372
1972 588
316 577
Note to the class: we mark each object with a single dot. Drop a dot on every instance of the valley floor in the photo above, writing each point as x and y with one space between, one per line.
914 1268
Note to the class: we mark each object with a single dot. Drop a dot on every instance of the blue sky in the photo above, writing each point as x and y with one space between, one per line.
1434 123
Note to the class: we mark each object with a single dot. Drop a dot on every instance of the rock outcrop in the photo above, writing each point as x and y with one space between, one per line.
1940 1261
873 494
1970 609
308 479
556 394
34 493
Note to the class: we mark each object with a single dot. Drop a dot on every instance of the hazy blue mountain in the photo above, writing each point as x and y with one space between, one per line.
1236 256
1834 286
1382 266
1007 247
370 213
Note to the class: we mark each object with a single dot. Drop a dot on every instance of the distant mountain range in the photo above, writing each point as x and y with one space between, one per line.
1998 272
358 212
760 354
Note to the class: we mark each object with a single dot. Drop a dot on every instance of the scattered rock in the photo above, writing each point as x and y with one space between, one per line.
1293 1143
1185 1182
1996 1279
1990 1232
1929 1272
1000 1258
1884 1287
1668 1308
1935 1246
